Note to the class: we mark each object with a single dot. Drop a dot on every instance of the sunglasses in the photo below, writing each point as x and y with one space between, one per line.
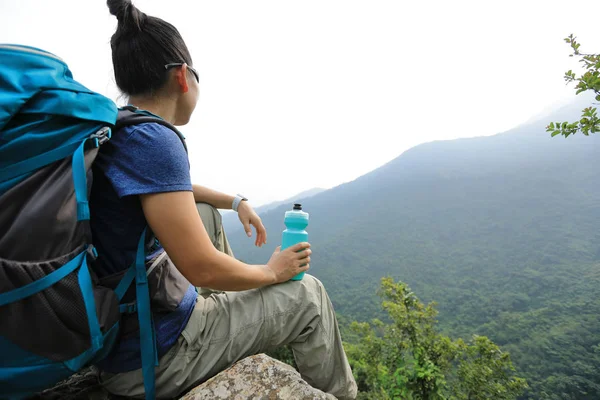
173 65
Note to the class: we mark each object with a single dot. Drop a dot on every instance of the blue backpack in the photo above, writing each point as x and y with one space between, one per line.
54 316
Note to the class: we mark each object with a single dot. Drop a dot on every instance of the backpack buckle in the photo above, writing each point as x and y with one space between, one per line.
102 136
92 253
129 308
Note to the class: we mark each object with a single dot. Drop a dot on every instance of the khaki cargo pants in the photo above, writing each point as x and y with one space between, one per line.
228 326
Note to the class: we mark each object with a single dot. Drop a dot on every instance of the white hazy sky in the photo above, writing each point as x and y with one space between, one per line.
300 94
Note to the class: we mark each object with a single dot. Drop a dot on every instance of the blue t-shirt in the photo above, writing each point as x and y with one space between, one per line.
141 159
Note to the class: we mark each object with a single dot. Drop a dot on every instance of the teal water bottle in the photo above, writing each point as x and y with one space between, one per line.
296 222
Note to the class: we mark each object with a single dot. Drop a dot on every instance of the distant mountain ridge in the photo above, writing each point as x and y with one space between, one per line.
231 223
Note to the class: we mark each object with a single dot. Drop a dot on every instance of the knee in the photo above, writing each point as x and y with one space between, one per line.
207 209
311 281
315 291
213 223
209 213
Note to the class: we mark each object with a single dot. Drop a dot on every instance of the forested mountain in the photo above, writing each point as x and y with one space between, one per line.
501 231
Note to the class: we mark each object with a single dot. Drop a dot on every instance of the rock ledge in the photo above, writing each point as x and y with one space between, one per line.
257 377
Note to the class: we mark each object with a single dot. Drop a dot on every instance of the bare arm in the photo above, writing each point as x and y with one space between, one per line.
246 213
175 221
216 199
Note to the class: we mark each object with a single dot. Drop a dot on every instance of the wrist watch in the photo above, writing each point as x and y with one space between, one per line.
237 200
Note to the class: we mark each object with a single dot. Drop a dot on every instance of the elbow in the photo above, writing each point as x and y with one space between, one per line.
204 279
200 271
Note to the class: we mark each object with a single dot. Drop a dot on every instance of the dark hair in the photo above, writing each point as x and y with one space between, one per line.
141 47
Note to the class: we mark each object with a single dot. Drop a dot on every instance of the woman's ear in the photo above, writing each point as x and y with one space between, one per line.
181 76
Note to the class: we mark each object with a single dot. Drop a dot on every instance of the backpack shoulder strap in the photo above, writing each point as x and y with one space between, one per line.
129 115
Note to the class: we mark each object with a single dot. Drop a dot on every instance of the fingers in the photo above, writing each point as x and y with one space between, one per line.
304 256
301 264
291 261
304 268
299 247
301 259
247 228
261 233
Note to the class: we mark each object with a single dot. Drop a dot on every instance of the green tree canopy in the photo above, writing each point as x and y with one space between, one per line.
409 359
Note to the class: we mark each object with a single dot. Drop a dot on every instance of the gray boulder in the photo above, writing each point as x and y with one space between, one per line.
257 377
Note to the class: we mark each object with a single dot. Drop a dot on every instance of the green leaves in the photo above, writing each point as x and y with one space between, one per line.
588 81
589 123
485 371
409 359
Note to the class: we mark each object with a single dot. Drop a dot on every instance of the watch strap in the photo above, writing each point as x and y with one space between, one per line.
236 202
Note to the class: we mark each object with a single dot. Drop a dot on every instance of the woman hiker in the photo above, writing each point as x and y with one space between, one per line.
142 178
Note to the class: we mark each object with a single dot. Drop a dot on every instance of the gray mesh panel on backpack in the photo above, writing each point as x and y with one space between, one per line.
40 234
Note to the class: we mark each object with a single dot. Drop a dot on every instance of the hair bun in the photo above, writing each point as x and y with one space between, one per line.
126 13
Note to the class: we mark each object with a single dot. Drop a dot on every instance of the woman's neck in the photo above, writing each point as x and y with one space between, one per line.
162 107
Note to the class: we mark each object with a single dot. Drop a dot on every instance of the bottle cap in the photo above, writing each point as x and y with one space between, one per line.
296 212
